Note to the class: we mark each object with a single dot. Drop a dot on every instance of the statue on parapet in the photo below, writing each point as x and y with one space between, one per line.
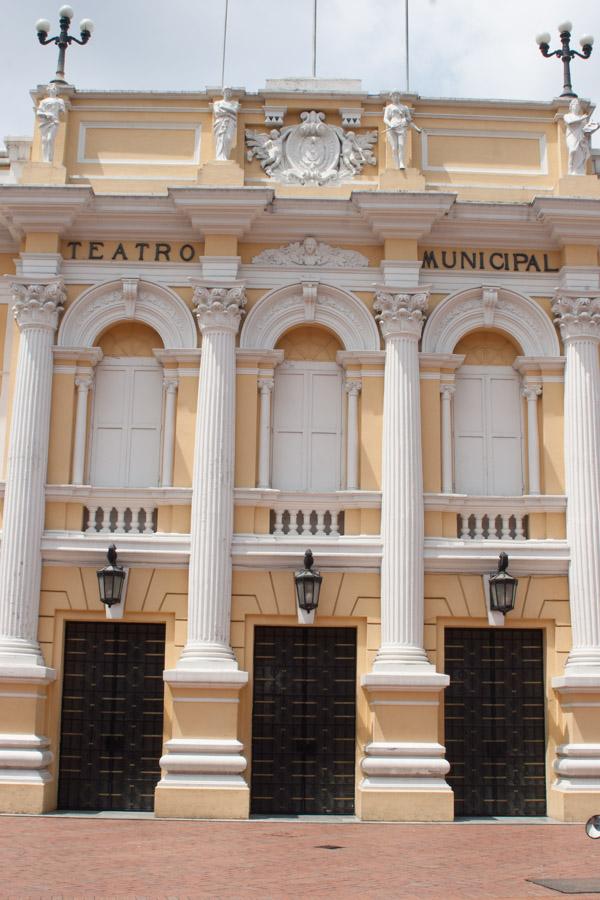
225 113
579 130
398 119
48 114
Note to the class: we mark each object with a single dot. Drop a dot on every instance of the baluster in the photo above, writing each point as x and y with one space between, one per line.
149 527
278 529
320 532
519 530
91 527
478 536
120 523
505 535
105 520
465 533
335 522
303 519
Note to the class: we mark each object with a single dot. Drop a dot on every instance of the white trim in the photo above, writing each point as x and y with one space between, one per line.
336 309
104 304
194 160
481 170
508 311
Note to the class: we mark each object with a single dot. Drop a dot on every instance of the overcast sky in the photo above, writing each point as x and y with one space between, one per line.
458 48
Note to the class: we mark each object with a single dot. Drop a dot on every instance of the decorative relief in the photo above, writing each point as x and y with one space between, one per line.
400 313
310 252
49 113
38 304
219 308
577 316
312 152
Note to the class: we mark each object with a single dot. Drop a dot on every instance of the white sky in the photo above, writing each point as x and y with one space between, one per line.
459 48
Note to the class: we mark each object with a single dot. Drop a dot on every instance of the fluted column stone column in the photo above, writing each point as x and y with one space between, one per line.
84 383
202 762
404 772
265 386
170 385
353 387
36 309
575 794
447 392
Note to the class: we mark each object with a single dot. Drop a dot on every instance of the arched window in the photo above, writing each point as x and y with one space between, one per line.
307 412
127 409
488 427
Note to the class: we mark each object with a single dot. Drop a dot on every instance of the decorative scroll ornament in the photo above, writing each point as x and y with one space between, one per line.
400 313
312 152
310 252
38 304
577 316
219 308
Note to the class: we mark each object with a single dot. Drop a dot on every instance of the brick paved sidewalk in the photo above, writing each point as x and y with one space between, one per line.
56 858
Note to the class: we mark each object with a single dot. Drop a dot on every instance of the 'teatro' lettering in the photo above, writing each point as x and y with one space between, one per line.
140 252
486 259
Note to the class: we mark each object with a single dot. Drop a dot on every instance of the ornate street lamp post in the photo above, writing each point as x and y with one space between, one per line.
111 579
565 53
64 39
503 588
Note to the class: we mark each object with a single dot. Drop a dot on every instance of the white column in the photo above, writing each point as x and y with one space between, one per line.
36 309
170 384
353 387
579 320
265 386
402 606
531 392
447 391
83 383
219 311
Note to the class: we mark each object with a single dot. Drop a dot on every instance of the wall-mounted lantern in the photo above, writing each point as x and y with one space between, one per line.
111 580
503 588
308 585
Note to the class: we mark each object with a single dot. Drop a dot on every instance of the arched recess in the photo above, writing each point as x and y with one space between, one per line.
310 303
125 299
490 307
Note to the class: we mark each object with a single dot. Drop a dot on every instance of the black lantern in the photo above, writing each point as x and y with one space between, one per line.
503 588
592 827
308 584
111 579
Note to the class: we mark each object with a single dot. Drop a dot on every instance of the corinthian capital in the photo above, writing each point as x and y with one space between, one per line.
38 305
577 315
402 313
219 308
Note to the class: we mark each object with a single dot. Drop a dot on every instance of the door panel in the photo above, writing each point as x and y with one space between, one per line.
494 721
303 725
112 716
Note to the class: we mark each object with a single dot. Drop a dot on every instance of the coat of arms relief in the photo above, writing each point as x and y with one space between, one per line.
311 152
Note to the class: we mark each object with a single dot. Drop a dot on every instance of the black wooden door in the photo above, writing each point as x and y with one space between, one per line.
494 717
303 722
112 715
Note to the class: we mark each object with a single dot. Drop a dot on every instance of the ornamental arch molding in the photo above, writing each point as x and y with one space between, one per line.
490 307
128 299
310 303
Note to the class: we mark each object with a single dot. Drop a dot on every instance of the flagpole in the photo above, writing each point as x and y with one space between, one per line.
314 49
407 46
224 44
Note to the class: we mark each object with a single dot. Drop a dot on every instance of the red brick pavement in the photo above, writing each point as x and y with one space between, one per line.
84 858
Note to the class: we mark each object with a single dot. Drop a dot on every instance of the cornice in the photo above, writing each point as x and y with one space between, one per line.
218 210
401 214
29 208
570 220
492 225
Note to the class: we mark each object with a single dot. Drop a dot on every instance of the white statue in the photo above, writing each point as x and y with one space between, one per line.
225 113
49 113
398 119
578 132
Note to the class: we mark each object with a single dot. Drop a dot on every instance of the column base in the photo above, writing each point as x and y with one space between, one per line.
575 795
25 757
404 766
203 762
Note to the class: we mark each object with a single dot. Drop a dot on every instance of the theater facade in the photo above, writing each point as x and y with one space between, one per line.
236 328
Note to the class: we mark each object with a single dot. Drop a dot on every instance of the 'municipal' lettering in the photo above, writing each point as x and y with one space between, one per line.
429 260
